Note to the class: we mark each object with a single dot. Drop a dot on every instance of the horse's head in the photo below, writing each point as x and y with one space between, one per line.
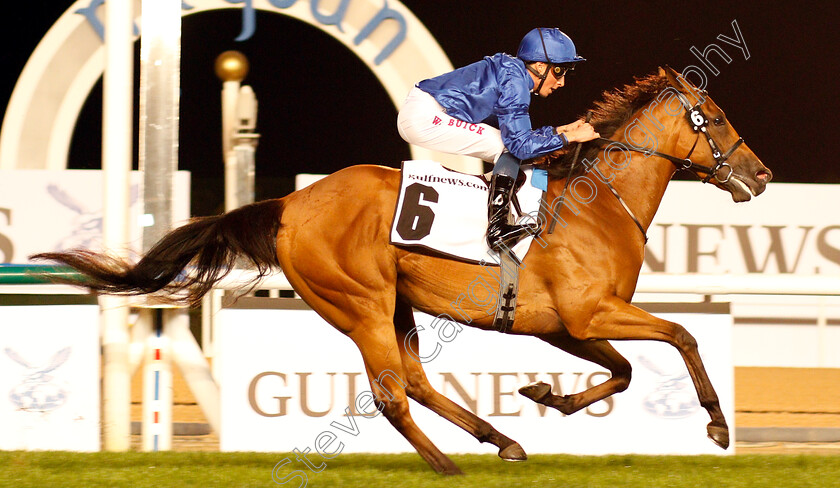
718 154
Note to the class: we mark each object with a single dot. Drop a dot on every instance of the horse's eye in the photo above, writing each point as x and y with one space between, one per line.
719 121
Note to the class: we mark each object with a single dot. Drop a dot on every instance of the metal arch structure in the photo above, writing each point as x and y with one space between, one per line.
48 97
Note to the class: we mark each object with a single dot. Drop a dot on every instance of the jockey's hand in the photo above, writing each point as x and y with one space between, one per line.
569 127
582 133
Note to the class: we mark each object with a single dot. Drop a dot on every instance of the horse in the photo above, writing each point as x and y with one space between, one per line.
331 240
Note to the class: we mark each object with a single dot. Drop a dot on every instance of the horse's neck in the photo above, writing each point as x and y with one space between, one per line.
642 183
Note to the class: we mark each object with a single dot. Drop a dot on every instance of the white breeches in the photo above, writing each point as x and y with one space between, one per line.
423 122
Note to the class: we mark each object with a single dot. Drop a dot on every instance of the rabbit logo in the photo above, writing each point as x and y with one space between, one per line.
38 392
87 224
674 396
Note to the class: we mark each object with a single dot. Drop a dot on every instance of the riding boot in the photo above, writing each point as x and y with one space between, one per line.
499 229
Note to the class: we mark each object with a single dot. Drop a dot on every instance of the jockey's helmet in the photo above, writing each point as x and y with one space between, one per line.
549 45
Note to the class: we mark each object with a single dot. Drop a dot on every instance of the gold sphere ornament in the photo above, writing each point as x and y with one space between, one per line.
231 66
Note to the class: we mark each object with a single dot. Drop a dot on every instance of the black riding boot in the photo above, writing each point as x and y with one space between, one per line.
499 229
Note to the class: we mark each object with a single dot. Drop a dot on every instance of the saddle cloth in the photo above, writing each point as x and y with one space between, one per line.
446 211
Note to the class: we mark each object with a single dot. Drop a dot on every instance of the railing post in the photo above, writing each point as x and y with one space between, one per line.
157 385
117 137
160 86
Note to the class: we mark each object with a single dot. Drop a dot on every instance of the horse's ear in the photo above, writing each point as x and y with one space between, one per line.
669 73
675 79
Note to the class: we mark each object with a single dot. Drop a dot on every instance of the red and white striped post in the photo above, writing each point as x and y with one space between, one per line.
160 76
157 385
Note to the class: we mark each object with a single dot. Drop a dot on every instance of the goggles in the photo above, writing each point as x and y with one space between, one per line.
560 71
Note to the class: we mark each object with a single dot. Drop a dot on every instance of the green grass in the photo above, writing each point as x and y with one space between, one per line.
208 469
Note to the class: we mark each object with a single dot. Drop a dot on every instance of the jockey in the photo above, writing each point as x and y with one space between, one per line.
481 110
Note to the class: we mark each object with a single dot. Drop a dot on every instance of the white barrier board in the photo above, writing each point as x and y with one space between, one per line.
287 377
49 389
50 210
791 228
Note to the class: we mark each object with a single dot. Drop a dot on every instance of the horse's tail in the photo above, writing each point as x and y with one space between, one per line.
212 244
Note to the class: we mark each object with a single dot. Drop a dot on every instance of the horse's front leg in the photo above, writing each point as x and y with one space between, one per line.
617 320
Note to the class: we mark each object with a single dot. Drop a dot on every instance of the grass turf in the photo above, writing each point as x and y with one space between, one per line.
206 469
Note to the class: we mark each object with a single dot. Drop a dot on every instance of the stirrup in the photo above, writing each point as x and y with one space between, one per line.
508 234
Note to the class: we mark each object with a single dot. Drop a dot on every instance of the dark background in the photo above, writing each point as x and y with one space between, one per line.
321 109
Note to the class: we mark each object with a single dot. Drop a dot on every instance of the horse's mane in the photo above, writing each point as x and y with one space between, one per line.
610 113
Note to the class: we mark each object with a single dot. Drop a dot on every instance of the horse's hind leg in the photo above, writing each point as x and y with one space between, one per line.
420 390
599 352
384 369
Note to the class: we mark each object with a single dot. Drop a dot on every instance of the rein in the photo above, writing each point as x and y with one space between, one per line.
569 179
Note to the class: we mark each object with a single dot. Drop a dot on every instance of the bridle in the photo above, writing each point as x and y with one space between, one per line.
699 123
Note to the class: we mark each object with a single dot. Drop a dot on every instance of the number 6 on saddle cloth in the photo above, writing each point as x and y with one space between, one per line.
445 212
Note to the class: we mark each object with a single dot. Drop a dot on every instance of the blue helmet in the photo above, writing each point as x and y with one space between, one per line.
549 45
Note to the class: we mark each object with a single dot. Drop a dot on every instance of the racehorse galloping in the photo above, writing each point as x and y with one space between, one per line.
331 240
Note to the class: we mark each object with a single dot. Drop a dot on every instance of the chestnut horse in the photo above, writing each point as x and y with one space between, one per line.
331 240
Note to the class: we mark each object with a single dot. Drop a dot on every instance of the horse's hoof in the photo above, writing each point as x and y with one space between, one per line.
451 471
536 391
719 434
513 452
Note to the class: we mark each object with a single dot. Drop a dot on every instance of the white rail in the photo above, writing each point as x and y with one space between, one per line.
740 284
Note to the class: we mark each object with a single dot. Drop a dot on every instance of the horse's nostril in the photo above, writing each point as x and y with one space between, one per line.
764 175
